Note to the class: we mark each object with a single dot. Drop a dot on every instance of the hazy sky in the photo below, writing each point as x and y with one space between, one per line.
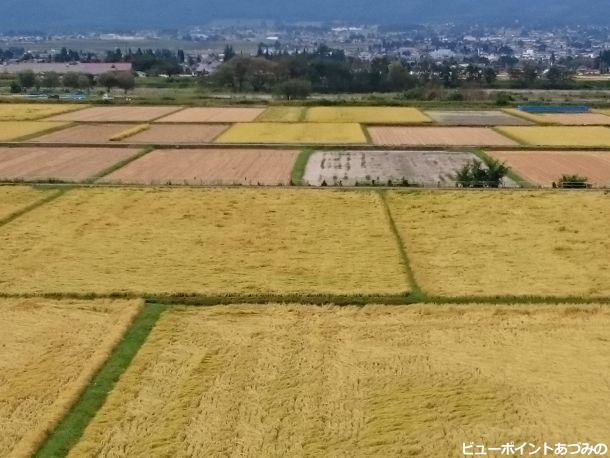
48 14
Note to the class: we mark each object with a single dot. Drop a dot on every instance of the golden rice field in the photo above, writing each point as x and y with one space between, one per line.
604 111
34 111
367 115
294 133
282 114
15 198
130 132
506 243
10 131
558 136
49 351
373 381
207 241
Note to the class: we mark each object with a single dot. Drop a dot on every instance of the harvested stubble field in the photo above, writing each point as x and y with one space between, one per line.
506 243
282 114
49 351
567 119
15 198
158 134
366 115
294 133
209 167
348 168
206 241
476 118
547 167
588 137
33 111
438 136
373 381
85 134
211 115
10 131
65 164
116 114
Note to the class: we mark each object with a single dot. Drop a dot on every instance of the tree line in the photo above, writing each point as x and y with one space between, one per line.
27 79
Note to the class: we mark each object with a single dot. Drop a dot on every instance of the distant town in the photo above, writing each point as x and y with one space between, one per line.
200 50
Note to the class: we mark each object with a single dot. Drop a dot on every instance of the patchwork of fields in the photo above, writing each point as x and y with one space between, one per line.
356 321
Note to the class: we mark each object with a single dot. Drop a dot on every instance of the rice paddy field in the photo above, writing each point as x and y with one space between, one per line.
85 134
294 133
350 168
558 136
64 164
49 351
506 243
438 136
208 167
176 134
292 380
116 114
214 114
204 241
17 130
33 111
170 305
366 115
476 118
15 198
546 167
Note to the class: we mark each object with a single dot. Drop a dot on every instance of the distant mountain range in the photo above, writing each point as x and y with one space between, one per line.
107 14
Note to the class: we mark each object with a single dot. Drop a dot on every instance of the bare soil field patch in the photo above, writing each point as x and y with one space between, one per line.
49 351
349 168
175 134
203 241
116 114
209 167
212 114
291 380
438 136
476 118
84 134
65 164
506 242
546 167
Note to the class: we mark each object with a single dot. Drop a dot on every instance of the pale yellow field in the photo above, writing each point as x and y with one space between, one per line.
297 133
49 351
506 243
282 114
587 136
209 241
367 115
373 381
15 198
10 131
603 111
34 111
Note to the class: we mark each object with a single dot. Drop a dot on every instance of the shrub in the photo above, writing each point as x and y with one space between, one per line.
574 182
475 175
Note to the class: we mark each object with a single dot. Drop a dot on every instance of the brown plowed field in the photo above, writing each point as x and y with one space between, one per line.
476 118
66 164
545 167
438 136
116 114
174 134
209 167
226 115
85 133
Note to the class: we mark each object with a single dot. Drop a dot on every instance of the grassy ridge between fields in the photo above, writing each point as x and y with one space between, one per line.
71 428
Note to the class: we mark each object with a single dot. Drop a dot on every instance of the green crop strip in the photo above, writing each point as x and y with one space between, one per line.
71 428
296 178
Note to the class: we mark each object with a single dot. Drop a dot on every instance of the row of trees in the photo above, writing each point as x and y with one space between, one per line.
27 79
329 70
